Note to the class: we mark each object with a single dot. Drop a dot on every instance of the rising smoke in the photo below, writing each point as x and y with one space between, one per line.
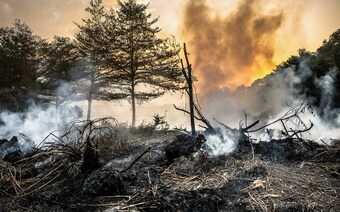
269 99
233 50
34 125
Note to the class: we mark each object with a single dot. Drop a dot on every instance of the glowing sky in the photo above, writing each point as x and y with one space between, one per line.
302 24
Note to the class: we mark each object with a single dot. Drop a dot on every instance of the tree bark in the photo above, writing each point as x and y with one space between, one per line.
133 103
89 105
89 98
191 95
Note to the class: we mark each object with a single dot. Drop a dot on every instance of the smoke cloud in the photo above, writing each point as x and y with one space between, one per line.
33 126
37 122
268 99
233 50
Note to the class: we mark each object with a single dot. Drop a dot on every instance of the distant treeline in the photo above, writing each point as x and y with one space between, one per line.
314 78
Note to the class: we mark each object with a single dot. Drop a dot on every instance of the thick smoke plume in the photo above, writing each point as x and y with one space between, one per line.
233 50
230 54
269 99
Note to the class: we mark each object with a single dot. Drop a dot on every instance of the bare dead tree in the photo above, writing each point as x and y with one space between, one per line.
189 82
194 110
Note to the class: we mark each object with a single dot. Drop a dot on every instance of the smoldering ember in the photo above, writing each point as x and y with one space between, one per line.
273 145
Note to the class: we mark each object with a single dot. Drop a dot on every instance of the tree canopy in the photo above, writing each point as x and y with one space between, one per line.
144 65
21 66
116 54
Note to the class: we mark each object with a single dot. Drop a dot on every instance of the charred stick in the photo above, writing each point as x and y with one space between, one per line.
191 95
250 126
284 126
203 126
295 133
222 124
137 159
187 112
184 73
203 119
305 130
273 122
327 146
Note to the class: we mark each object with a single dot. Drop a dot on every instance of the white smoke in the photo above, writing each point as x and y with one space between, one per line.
326 86
222 143
321 132
34 125
268 100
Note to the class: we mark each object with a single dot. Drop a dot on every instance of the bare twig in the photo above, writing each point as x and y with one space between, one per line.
135 160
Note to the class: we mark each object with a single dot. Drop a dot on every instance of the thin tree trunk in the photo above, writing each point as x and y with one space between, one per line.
89 105
133 103
191 93
89 98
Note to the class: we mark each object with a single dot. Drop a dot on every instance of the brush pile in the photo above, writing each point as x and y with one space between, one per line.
91 168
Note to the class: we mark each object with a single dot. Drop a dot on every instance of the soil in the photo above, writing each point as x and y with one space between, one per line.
281 175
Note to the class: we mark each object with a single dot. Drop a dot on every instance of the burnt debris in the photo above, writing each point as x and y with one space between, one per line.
279 175
183 145
8 146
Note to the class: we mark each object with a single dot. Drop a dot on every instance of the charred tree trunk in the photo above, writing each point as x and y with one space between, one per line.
89 105
91 157
194 109
191 95
189 90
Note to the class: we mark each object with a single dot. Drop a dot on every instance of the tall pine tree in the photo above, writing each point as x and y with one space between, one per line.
92 77
144 65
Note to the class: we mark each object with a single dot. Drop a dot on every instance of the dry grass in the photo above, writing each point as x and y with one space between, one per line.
51 176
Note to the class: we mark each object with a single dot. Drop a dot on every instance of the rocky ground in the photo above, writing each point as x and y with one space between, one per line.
135 174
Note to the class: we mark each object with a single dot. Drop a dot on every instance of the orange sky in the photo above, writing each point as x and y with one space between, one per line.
305 23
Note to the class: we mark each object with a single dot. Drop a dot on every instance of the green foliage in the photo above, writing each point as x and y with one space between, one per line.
160 123
311 68
61 56
144 129
330 50
115 55
22 64
291 61
137 58
92 81
127 132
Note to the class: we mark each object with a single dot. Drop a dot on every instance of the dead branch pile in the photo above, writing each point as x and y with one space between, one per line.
56 166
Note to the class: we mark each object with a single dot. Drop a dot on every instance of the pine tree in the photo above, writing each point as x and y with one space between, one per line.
92 81
62 56
145 66
21 65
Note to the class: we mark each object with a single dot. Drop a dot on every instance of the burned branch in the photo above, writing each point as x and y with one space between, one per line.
290 117
136 160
